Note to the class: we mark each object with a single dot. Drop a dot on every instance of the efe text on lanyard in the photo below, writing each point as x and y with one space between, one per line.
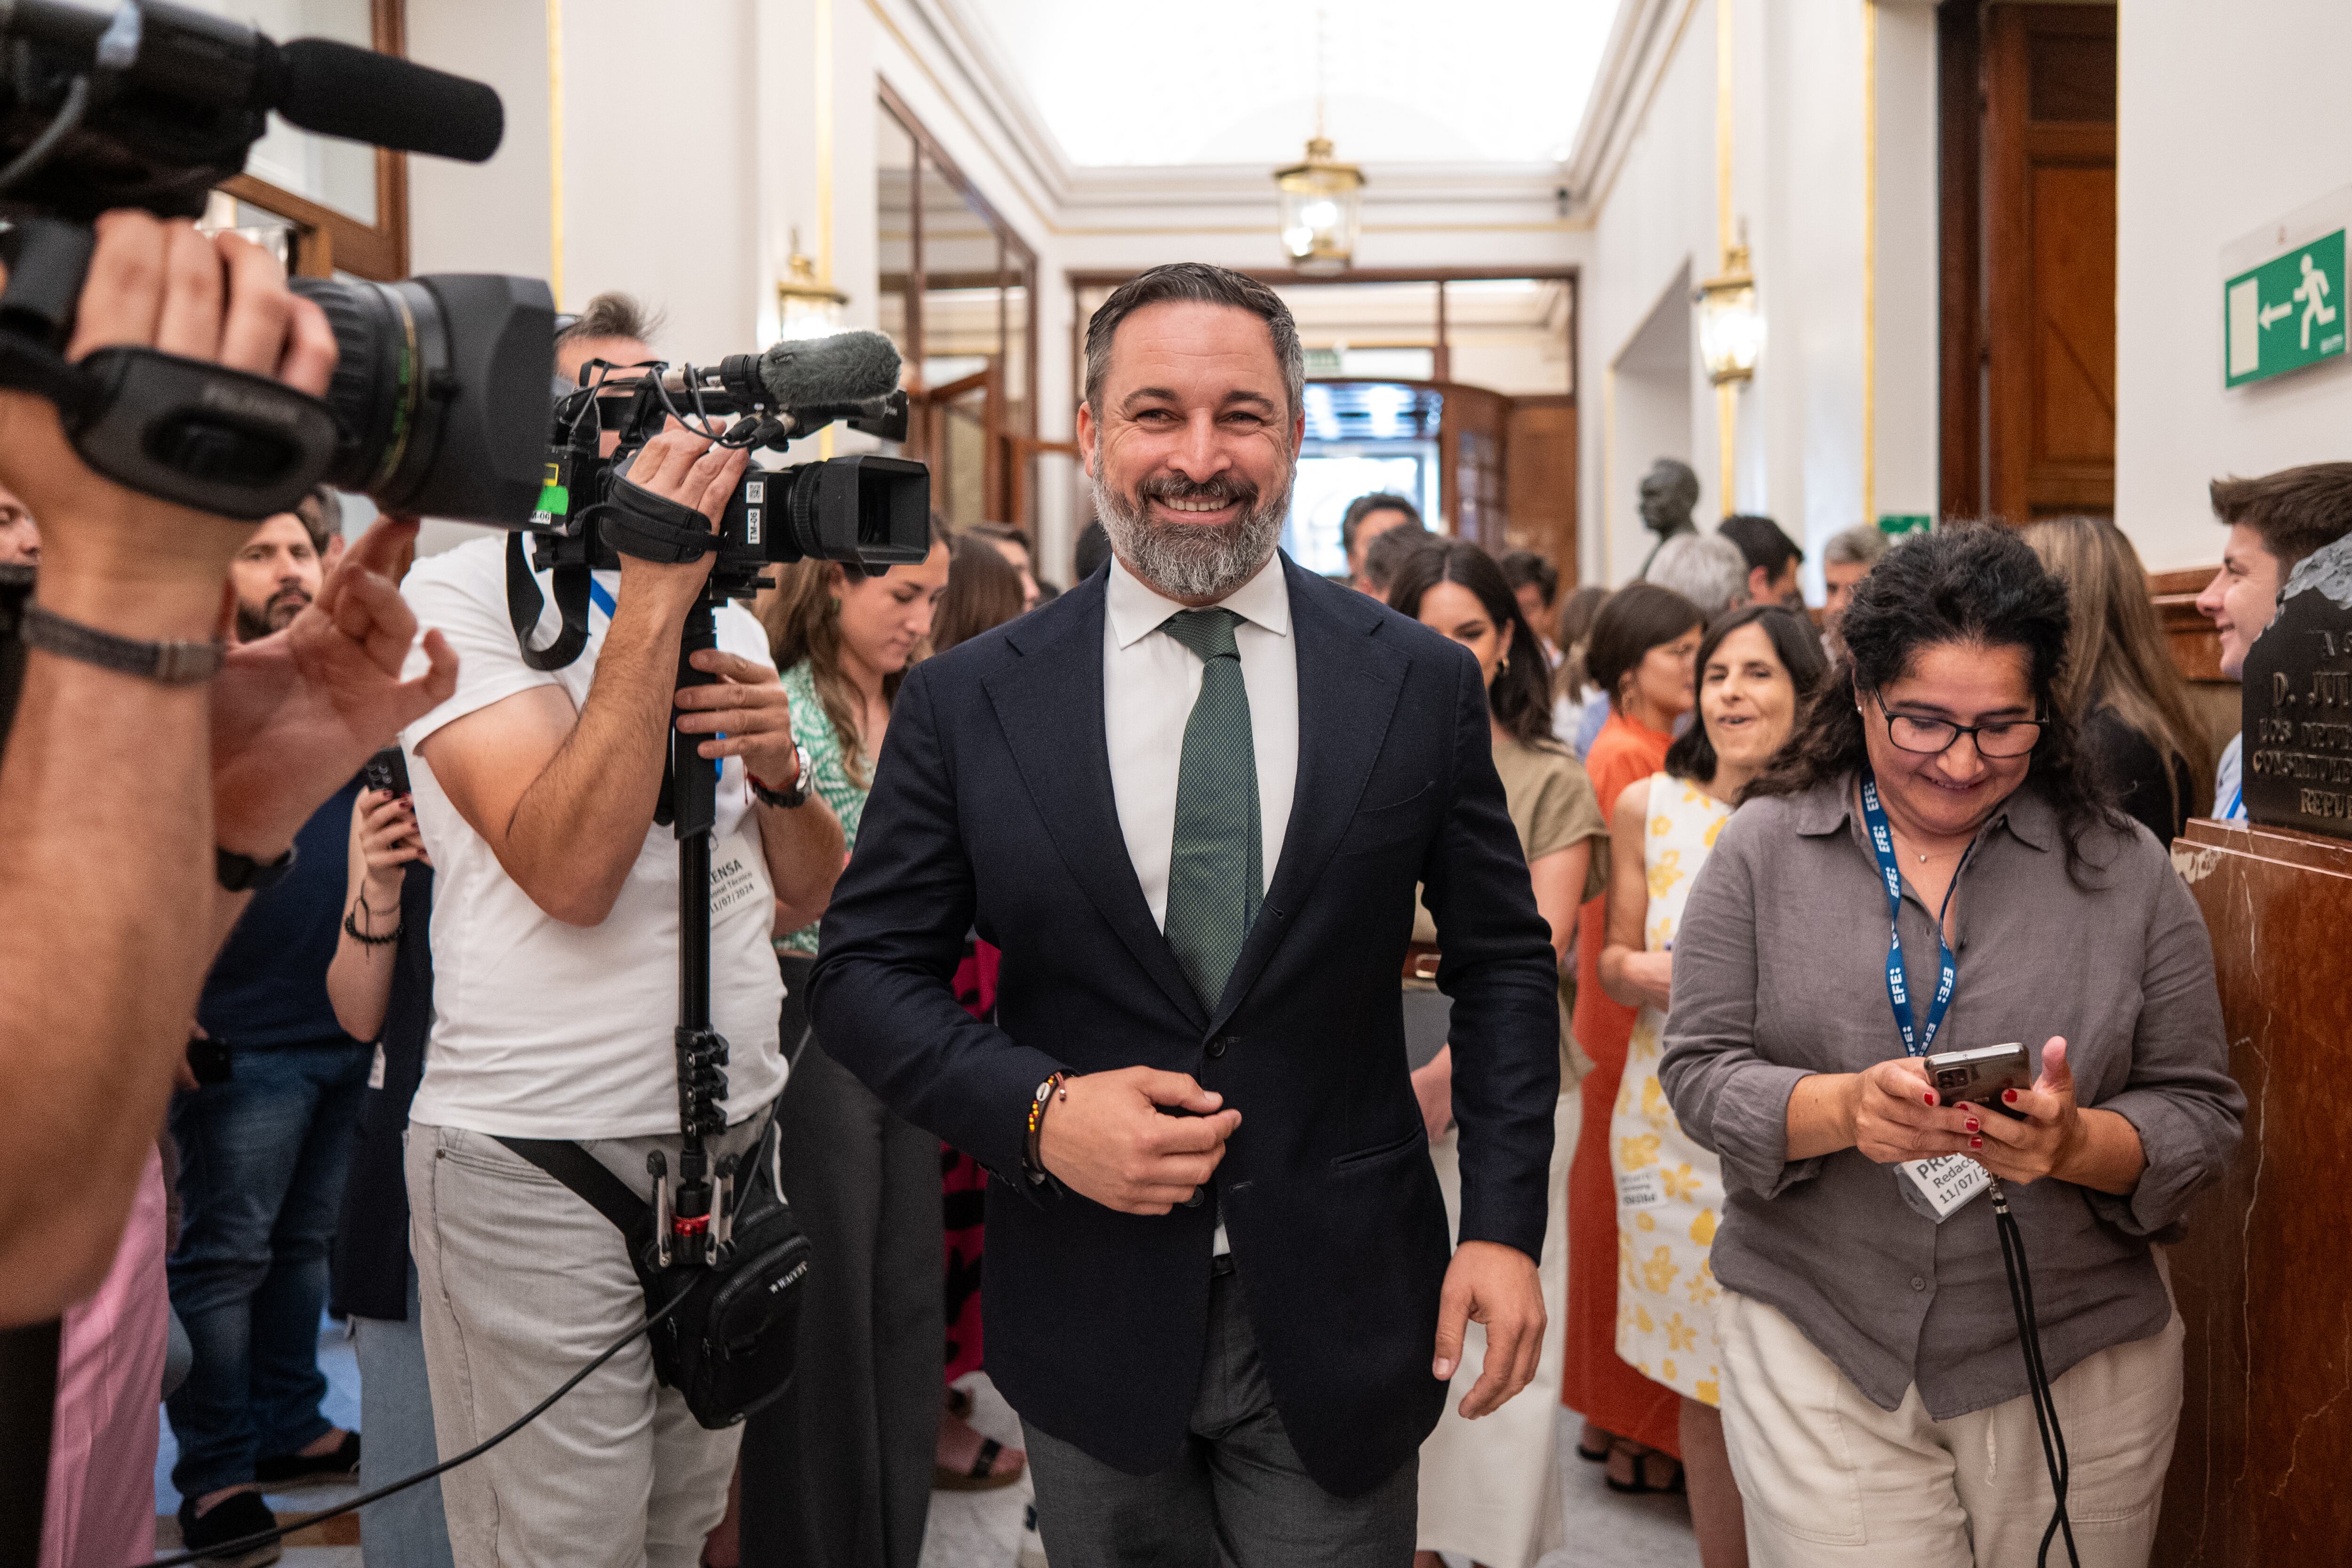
1946 1184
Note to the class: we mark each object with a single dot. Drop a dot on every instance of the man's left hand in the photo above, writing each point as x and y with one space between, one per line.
295 714
1496 1285
745 712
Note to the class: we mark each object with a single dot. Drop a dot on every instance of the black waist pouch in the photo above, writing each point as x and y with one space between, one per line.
728 1347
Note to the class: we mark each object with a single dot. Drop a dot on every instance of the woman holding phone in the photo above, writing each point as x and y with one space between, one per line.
1876 1399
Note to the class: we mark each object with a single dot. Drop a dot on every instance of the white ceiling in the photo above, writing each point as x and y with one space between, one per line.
1233 81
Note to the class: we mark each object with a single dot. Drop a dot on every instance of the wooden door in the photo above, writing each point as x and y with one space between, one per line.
958 430
1473 426
1540 480
2029 274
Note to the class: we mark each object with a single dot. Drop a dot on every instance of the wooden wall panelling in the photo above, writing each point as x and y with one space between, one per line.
1959 111
1540 480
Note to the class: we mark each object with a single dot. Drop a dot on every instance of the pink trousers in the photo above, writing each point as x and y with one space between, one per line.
101 1511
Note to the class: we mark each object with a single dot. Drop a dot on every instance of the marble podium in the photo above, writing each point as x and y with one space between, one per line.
2262 1473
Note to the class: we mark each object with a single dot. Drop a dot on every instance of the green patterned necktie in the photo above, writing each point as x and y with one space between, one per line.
1215 864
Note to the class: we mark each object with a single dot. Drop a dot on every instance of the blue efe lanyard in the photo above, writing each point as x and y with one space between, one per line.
1917 1042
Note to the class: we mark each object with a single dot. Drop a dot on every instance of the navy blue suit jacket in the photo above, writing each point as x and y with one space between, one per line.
993 807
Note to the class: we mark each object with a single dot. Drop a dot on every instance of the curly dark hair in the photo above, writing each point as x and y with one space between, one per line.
1794 643
1972 583
1520 696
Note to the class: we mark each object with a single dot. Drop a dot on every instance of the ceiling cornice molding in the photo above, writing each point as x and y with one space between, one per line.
967 44
1641 50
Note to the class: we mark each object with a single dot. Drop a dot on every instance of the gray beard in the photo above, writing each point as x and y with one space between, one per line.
1191 560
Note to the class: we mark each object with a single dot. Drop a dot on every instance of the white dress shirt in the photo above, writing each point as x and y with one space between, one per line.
1150 683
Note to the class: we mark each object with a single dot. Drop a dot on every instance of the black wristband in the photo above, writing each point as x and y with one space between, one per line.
655 528
243 874
165 663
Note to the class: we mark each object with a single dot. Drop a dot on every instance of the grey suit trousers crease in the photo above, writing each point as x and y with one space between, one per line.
1238 1498
837 1473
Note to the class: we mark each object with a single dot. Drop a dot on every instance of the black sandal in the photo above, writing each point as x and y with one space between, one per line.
1640 1485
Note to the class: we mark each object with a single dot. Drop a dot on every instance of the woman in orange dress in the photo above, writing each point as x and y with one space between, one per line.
1640 653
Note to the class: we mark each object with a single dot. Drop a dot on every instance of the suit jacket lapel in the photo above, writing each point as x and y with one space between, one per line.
1349 683
1050 706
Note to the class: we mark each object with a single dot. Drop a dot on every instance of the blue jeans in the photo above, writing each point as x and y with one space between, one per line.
262 1160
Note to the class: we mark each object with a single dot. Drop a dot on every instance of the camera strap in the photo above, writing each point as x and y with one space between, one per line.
572 587
187 431
654 528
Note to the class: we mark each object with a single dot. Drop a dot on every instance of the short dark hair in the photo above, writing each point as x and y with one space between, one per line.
1092 548
1363 507
1638 617
1975 584
1520 697
1794 643
611 314
1196 282
2295 511
1521 567
1762 542
1385 556
322 511
1004 533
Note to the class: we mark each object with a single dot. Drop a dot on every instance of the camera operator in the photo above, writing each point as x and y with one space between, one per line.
555 938
108 951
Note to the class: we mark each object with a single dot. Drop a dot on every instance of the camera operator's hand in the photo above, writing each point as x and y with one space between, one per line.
295 714
749 708
680 466
112 557
1107 1139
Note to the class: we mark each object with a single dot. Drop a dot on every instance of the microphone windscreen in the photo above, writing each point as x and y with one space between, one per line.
339 89
847 367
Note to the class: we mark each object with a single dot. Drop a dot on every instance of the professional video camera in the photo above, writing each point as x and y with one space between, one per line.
439 399
867 509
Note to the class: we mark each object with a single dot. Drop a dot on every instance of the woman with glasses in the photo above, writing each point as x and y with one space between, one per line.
1926 868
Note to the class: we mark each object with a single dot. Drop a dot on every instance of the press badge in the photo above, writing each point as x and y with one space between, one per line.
1941 1187
732 879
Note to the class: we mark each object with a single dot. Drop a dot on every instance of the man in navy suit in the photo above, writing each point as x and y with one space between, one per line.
1191 801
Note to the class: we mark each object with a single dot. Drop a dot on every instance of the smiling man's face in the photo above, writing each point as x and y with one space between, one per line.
1192 444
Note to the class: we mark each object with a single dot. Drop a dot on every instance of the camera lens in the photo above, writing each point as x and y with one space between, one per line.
440 391
873 509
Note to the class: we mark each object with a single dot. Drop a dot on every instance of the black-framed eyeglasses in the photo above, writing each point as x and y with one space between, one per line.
1998 739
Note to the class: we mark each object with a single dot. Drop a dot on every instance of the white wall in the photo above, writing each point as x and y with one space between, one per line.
2232 117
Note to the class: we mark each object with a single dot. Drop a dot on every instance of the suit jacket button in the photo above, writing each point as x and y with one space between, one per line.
1217 1046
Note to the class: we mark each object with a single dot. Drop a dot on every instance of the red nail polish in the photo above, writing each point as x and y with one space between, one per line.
2008 1097
1975 1143
1972 1125
1931 1097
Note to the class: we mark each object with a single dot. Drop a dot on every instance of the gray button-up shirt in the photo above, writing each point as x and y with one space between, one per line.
1780 972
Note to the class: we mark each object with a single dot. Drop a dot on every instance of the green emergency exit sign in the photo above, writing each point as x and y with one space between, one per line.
2287 313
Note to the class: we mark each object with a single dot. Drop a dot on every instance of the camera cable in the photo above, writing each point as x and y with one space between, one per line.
61 126
2037 1376
263 1537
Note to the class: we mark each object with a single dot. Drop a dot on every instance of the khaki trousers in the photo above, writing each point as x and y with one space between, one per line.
1830 1480
519 1283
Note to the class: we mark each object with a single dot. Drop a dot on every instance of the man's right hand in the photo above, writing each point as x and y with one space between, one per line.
1110 1142
680 466
112 557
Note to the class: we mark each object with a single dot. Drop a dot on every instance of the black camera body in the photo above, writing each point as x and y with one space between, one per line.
867 509
439 398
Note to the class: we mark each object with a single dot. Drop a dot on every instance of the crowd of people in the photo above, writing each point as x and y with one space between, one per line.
1052 936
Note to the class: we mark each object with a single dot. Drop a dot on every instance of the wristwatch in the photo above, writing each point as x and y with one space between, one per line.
244 874
785 798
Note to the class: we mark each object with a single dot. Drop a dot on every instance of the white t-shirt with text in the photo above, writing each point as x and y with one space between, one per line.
547 1030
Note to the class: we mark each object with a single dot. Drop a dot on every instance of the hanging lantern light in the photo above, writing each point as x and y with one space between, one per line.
806 307
1730 327
1322 209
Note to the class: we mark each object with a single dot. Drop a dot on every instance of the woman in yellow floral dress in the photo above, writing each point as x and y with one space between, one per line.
1756 670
